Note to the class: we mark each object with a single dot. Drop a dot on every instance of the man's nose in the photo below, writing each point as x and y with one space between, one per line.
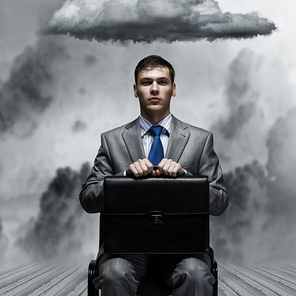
154 88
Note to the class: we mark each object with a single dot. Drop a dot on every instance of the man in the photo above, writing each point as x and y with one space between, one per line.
174 148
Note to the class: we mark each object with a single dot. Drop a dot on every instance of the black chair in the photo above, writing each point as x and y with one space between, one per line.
153 283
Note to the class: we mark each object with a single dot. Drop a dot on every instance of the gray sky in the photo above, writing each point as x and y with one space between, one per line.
59 93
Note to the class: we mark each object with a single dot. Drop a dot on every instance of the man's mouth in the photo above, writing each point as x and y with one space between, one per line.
154 99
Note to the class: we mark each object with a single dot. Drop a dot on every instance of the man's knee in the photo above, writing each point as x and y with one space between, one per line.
115 269
198 270
194 272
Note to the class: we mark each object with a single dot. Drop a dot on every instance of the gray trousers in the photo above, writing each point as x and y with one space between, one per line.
187 275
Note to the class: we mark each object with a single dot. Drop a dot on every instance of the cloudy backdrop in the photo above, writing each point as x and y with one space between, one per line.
66 76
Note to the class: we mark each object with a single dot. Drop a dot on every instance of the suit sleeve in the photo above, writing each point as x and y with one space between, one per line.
92 194
209 166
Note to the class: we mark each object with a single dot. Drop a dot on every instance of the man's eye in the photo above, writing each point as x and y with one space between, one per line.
162 82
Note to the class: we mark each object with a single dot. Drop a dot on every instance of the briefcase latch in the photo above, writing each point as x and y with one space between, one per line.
155 218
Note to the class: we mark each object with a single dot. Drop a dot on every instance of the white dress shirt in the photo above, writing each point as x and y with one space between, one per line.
147 137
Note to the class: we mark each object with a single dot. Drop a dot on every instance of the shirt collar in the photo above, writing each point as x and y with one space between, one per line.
166 123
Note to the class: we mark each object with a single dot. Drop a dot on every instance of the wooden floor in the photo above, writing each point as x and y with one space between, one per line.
66 277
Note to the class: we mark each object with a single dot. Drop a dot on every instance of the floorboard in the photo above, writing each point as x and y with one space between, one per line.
65 277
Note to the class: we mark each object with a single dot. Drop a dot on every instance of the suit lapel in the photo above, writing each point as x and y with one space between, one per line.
133 141
178 139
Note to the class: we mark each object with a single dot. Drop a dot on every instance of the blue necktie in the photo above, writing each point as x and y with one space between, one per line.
156 151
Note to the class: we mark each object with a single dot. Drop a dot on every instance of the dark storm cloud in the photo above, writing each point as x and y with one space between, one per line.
60 225
241 98
25 94
148 21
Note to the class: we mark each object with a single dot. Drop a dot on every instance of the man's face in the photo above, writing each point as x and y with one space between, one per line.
154 89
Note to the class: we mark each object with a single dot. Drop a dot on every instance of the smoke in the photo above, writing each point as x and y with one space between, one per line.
240 97
79 126
61 226
281 167
233 234
148 21
251 101
90 60
26 94
3 240
259 222
258 152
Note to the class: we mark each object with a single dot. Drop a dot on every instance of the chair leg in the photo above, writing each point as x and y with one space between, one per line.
92 274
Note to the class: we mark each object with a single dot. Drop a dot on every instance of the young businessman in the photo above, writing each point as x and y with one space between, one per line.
155 143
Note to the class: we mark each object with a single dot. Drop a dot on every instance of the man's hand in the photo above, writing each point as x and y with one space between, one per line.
142 167
169 167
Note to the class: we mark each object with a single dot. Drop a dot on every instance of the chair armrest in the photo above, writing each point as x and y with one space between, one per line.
92 274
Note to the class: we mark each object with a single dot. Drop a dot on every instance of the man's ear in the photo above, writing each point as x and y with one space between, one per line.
174 90
135 91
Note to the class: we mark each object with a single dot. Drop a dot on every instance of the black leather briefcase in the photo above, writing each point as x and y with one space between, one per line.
156 215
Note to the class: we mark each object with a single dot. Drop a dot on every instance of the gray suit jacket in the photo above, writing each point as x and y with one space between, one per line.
190 146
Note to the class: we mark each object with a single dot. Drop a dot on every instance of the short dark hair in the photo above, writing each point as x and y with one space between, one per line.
151 62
